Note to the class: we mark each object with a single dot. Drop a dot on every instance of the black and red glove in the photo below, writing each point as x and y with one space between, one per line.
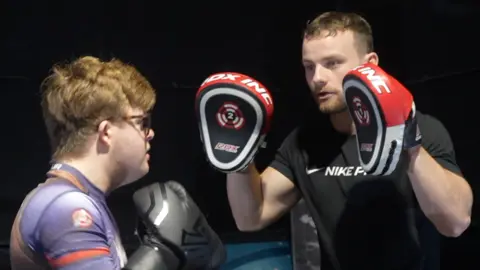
234 112
383 112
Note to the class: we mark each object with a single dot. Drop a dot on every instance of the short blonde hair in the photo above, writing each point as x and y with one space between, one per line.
331 22
77 96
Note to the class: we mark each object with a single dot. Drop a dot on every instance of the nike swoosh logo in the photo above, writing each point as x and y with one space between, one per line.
313 170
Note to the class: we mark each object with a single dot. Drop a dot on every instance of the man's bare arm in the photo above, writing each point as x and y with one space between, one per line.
445 197
257 200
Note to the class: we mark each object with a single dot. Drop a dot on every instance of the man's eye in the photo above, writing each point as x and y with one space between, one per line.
145 123
139 123
309 67
332 64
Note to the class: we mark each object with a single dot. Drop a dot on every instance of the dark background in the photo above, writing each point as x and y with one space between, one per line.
430 45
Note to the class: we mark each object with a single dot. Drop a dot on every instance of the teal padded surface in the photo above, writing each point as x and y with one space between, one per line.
258 256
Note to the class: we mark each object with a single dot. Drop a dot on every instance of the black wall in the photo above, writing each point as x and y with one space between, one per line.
428 45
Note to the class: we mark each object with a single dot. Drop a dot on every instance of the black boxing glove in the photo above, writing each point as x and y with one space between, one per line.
175 228
150 256
234 112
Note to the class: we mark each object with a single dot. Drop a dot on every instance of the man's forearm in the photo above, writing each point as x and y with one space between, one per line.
444 197
245 197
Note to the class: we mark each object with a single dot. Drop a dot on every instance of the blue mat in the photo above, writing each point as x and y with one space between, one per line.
258 256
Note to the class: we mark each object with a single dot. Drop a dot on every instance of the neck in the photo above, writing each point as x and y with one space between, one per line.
96 172
342 122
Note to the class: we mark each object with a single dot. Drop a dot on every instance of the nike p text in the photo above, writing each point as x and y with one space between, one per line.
344 171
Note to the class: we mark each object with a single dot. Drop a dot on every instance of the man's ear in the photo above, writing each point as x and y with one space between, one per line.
105 131
371 58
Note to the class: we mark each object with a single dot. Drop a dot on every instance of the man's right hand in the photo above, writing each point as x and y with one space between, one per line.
176 234
234 112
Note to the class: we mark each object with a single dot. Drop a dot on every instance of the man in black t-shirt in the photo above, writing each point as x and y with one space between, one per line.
369 222
363 221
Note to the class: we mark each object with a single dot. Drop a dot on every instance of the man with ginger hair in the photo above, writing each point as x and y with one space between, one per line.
97 116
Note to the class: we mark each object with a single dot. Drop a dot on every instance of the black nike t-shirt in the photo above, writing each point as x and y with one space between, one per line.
367 222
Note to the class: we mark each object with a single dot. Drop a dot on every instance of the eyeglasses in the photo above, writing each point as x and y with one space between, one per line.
145 121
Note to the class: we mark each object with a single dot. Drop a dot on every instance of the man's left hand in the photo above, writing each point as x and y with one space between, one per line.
383 112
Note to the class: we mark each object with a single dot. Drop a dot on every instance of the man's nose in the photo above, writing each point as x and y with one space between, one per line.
319 77
150 134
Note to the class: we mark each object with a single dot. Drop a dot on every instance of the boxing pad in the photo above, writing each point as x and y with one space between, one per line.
234 113
170 218
383 112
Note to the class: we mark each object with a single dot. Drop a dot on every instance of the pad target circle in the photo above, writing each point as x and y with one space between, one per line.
361 112
230 116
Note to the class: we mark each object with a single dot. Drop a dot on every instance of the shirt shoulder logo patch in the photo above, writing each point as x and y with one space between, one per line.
81 218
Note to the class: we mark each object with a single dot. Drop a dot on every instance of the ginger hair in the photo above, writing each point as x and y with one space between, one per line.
78 96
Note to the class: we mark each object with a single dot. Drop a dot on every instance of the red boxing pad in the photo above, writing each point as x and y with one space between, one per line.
234 113
381 109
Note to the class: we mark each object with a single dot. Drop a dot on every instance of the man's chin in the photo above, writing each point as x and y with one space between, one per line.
143 171
137 176
332 108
